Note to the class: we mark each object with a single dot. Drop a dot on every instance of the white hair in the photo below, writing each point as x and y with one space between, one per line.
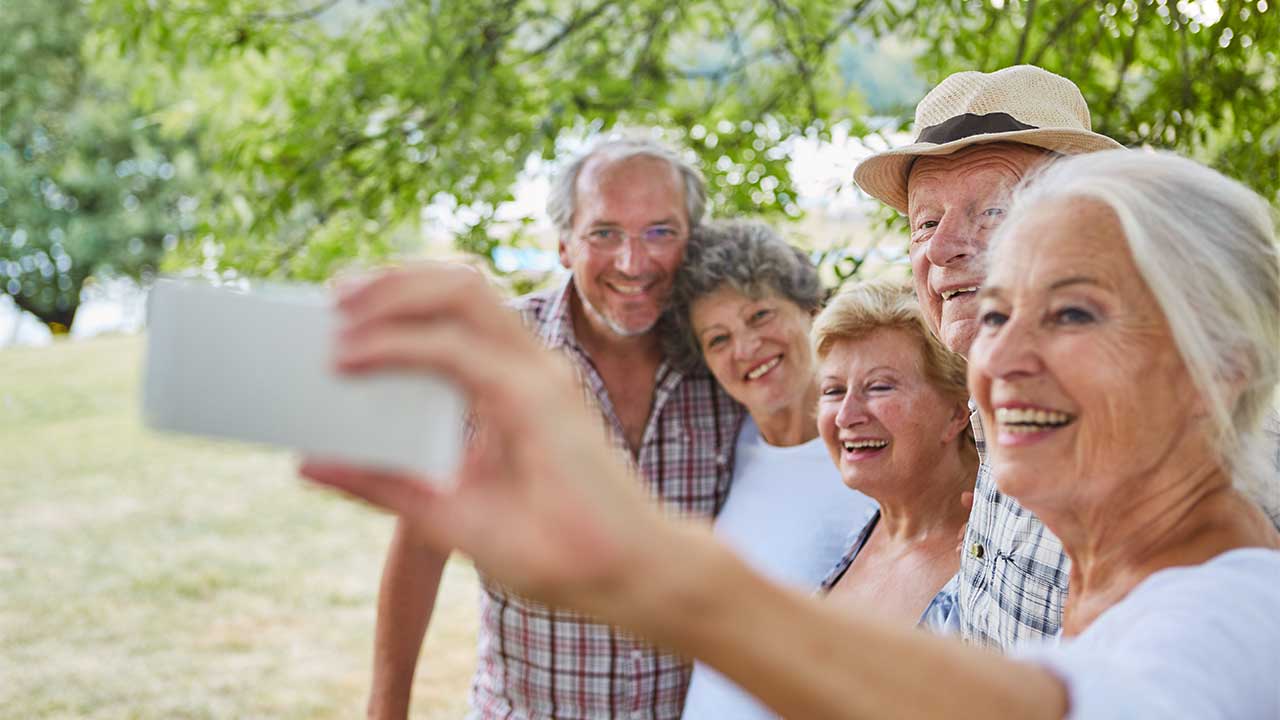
562 201
1205 246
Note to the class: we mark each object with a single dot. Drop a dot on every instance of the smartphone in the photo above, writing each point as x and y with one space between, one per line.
256 364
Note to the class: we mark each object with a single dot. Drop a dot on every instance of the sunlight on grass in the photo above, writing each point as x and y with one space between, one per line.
154 576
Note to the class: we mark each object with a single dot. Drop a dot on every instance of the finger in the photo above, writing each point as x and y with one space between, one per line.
429 291
399 493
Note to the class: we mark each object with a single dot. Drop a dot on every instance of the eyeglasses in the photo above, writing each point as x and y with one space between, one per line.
654 237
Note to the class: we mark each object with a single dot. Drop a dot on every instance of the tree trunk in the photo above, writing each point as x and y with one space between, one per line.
58 321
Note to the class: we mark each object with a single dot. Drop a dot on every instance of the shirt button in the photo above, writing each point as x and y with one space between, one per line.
976 550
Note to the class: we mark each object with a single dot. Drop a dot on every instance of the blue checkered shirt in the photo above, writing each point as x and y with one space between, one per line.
1013 571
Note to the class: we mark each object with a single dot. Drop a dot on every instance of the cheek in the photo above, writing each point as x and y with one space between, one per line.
919 263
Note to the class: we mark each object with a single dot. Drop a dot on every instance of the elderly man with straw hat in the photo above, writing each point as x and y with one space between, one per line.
977 136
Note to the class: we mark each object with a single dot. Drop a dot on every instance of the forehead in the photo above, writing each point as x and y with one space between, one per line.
642 178
1061 238
976 173
890 347
728 300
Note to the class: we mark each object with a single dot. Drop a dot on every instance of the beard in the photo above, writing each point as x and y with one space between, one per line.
614 326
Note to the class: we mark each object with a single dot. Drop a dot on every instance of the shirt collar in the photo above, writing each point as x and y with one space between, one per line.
557 324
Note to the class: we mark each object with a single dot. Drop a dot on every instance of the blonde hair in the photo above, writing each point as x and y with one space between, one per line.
860 309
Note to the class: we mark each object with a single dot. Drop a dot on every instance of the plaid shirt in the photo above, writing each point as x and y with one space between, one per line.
1013 571
540 662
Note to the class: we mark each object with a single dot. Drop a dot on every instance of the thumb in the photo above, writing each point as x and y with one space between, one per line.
405 495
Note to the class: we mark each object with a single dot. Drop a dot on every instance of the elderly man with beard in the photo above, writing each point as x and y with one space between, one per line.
977 136
624 211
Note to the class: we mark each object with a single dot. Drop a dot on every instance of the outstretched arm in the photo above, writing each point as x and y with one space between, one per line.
410 581
543 506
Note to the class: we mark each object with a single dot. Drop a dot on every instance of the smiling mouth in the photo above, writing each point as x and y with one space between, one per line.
948 294
630 289
763 368
1029 420
854 445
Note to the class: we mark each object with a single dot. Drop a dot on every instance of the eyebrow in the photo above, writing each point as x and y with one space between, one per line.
1074 280
652 223
995 291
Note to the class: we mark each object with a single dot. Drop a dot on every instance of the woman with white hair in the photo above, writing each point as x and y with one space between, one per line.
1128 352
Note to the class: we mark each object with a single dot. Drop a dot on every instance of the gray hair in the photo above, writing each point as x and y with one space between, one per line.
746 255
1205 246
562 201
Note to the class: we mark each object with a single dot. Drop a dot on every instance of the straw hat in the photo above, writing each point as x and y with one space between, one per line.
1022 104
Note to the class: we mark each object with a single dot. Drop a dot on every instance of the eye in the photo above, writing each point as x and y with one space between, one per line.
716 341
660 232
761 315
992 318
994 212
879 387
1073 316
832 391
603 234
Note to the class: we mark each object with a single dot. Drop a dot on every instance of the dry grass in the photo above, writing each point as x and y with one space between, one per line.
148 576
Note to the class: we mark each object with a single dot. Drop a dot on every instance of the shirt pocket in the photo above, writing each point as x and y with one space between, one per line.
1029 591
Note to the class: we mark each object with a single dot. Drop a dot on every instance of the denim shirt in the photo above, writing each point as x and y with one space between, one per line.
939 617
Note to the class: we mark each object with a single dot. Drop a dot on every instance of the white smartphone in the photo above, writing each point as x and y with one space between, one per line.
256 365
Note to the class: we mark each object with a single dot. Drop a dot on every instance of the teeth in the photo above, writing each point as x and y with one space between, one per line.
948 294
764 368
1030 416
864 444
629 289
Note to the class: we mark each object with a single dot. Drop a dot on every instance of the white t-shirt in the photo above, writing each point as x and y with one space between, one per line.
788 515
1199 642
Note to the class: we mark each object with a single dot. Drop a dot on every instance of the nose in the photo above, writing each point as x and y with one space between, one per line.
852 412
1009 353
956 239
745 343
632 257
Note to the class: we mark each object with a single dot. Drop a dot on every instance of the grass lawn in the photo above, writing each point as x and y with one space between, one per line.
151 576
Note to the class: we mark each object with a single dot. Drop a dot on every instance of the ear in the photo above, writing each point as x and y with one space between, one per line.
958 422
565 261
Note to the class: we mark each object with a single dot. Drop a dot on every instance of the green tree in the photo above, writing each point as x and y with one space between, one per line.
87 184
336 137
1201 77
333 122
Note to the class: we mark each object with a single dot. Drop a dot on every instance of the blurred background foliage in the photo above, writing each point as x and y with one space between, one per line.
288 138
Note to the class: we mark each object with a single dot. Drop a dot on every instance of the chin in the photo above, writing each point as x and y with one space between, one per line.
1024 483
958 336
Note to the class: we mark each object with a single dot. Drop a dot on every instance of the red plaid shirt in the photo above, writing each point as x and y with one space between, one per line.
539 662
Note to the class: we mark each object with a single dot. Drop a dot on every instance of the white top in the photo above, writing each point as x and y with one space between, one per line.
788 515
1199 642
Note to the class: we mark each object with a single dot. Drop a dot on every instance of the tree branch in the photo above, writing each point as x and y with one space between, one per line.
569 28
1067 20
296 16
1026 31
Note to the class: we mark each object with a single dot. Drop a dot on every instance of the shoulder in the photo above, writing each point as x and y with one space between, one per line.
1188 642
534 307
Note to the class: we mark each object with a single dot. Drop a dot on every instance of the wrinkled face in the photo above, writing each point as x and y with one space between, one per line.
954 202
885 425
624 289
758 349
1074 368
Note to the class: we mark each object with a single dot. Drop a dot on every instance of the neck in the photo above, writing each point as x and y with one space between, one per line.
603 344
792 425
1184 514
1160 524
932 511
